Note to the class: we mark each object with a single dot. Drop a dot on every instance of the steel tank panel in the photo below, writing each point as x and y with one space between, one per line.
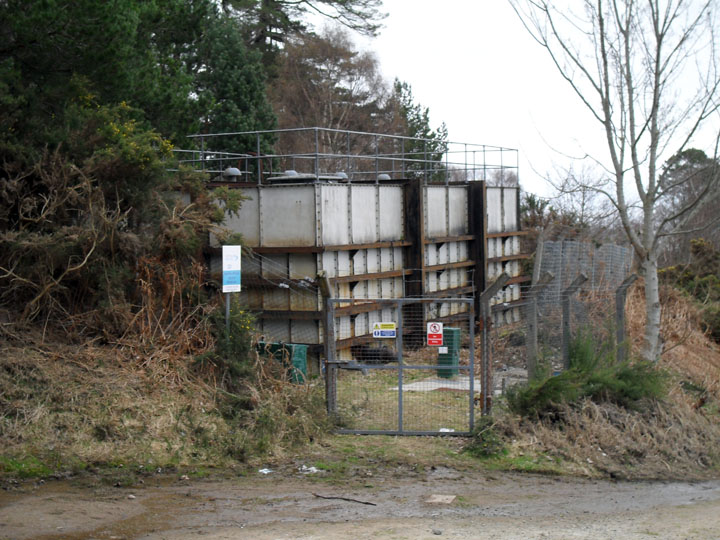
305 332
302 300
372 257
436 216
458 205
494 209
287 216
361 324
359 262
431 254
431 281
373 289
364 209
275 266
276 330
247 220
277 299
386 260
302 265
391 218
334 214
510 216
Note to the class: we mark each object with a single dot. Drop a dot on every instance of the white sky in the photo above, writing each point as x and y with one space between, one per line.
473 64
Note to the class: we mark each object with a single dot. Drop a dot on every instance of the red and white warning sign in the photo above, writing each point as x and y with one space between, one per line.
435 334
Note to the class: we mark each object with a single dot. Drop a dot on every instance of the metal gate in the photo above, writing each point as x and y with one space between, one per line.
402 366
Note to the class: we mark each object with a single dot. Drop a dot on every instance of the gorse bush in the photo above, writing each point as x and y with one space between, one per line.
701 281
595 374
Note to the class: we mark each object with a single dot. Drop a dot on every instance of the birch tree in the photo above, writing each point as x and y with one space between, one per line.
647 70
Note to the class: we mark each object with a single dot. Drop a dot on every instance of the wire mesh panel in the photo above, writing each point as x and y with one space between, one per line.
412 371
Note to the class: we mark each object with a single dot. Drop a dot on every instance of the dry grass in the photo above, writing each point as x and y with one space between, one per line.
678 438
75 407
687 350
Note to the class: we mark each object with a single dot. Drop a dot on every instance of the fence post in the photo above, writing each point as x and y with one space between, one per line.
399 345
620 295
566 294
533 293
486 363
329 335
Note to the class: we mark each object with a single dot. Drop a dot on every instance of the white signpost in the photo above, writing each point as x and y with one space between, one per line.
231 276
231 257
435 334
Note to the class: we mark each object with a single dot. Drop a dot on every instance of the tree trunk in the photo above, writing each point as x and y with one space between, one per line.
653 345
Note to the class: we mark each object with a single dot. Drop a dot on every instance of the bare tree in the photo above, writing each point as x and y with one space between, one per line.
647 70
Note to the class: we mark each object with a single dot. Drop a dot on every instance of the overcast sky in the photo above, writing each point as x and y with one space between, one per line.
477 69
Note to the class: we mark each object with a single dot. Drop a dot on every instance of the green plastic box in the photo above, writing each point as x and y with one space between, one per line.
293 353
451 340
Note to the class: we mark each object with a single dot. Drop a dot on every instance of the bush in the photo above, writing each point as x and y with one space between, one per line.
485 441
595 374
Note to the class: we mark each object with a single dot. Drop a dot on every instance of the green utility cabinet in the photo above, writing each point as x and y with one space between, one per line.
294 356
451 340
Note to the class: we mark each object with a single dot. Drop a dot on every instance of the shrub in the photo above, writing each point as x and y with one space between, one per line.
485 441
594 373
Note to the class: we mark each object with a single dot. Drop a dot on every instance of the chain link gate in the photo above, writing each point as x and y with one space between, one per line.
402 366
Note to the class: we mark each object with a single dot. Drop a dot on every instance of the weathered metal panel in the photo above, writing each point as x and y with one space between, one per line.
343 263
288 216
302 300
443 251
329 264
494 210
431 254
360 290
373 289
372 260
436 215
510 217
334 211
276 330
364 218
247 221
390 217
275 266
398 289
359 262
305 332
397 258
361 324
431 281
343 327
386 260
276 299
458 205
463 251
302 266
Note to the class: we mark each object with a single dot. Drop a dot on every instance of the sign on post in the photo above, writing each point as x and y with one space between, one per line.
384 330
231 257
435 334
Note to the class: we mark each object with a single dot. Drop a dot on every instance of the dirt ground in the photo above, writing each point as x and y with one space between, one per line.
386 505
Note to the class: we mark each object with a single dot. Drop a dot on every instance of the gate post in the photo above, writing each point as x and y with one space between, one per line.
620 295
329 335
486 366
566 294
531 349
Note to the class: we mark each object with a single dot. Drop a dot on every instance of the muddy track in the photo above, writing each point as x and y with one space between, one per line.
384 505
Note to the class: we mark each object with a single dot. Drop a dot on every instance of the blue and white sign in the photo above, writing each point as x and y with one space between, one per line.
384 330
231 257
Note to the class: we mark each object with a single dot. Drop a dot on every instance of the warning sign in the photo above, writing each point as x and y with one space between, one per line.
435 334
384 330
